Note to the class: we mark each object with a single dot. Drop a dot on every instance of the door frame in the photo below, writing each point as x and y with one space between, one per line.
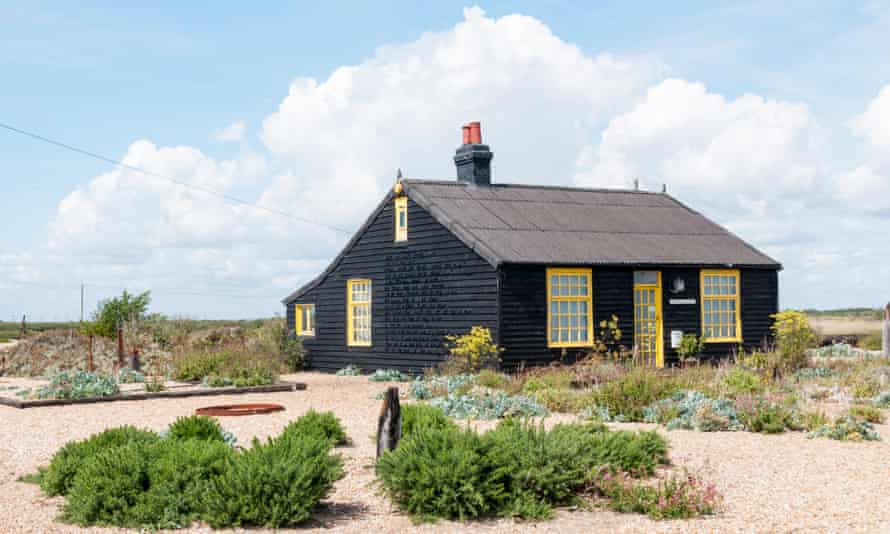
659 316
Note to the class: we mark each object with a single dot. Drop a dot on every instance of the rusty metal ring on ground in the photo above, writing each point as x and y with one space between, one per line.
239 409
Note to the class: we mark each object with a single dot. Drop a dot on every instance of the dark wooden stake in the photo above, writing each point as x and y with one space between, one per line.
90 356
885 337
24 328
120 346
389 424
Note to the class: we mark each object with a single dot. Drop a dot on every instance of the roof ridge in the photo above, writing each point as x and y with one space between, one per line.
421 181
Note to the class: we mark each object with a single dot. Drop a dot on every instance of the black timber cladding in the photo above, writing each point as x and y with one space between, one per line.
524 310
423 289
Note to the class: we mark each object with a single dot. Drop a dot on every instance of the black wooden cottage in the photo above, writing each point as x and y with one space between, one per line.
540 266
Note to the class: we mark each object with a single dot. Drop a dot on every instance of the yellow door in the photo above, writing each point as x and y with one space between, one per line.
648 338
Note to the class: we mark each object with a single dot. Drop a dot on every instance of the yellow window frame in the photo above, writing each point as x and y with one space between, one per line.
587 274
401 218
358 309
734 298
299 327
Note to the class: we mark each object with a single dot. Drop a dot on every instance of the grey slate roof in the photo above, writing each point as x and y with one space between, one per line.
508 223
559 225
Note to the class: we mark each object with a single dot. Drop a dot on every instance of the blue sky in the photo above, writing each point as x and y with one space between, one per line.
103 77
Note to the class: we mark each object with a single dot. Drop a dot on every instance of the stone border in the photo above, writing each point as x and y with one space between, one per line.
204 392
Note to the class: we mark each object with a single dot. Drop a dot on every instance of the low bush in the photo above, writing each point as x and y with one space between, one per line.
482 403
563 400
70 458
129 376
766 417
471 352
547 379
294 353
863 389
672 497
493 379
634 391
813 373
846 428
350 370
326 424
871 341
78 385
692 410
517 469
428 387
441 473
388 375
233 365
739 381
196 427
155 485
867 413
418 416
882 400
274 484
810 421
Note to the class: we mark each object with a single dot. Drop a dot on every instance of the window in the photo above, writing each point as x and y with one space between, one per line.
358 305
720 306
304 319
401 214
570 308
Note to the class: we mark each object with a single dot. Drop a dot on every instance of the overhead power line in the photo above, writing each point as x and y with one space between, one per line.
180 183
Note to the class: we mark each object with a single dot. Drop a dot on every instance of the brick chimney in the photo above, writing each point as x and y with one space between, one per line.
472 158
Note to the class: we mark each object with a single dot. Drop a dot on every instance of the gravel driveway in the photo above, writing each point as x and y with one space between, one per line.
777 483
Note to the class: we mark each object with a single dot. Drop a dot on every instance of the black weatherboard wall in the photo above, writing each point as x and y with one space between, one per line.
423 289
524 310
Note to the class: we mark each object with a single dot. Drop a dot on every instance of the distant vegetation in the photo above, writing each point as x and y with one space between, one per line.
859 313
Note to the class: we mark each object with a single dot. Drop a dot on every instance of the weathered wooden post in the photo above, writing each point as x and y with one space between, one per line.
389 424
24 328
90 367
120 345
885 332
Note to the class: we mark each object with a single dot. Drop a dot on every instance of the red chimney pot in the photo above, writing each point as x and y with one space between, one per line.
475 133
466 134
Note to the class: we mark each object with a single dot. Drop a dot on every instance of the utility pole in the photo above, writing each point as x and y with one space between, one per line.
81 302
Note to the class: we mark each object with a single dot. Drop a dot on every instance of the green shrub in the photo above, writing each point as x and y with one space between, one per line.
197 364
177 473
114 312
196 427
350 370
517 469
325 425
69 459
108 486
388 375
294 354
418 416
492 379
156 485
793 336
810 421
871 341
673 497
488 404
549 379
767 417
78 385
471 352
741 381
847 428
867 413
274 484
441 473
563 400
630 394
